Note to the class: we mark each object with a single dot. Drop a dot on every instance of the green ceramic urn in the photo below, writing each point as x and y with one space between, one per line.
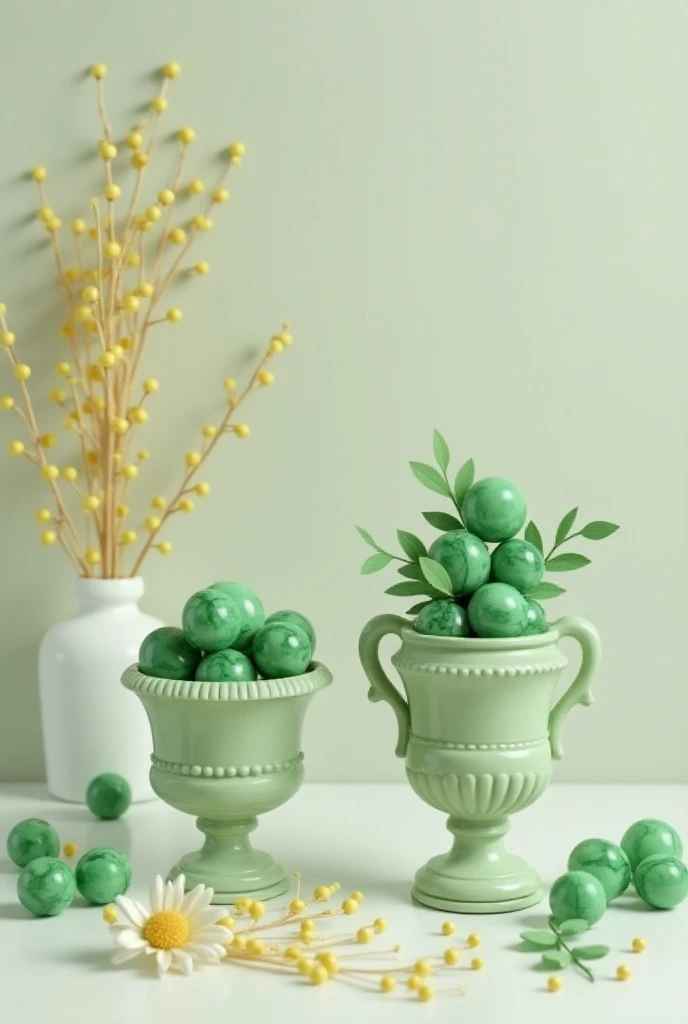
479 728
227 752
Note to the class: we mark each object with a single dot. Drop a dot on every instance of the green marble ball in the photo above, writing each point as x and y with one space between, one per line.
661 880
226 667
211 620
251 608
102 875
30 839
108 795
443 617
577 894
606 861
46 887
295 619
465 558
536 619
497 610
494 509
281 650
648 836
167 653
518 563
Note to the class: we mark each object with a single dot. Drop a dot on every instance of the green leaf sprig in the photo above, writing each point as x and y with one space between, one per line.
557 953
598 529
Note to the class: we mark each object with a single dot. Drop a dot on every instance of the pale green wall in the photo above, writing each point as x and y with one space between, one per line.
475 215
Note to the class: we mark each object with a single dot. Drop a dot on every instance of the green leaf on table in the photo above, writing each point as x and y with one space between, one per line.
415 608
590 952
436 575
368 539
556 958
598 529
464 480
545 591
374 563
443 521
429 477
411 572
574 926
565 525
540 937
411 588
440 450
565 563
412 546
534 537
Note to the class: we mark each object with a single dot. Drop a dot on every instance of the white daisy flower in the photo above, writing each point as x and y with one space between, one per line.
180 930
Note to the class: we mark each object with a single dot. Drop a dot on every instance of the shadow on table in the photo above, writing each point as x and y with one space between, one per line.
13 912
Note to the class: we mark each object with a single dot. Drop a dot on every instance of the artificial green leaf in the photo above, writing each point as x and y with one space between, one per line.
464 480
374 563
443 521
556 958
574 926
429 477
410 589
412 546
440 450
534 537
436 575
590 952
414 609
540 937
545 591
564 563
368 539
598 529
411 572
565 525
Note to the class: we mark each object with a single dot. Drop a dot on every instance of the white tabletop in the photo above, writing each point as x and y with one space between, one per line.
368 837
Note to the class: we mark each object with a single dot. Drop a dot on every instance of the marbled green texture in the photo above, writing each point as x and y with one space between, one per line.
606 861
443 617
168 654
226 667
30 839
518 563
251 608
103 874
648 836
295 619
494 509
211 620
465 558
577 894
661 880
281 650
497 610
46 886
536 619
108 795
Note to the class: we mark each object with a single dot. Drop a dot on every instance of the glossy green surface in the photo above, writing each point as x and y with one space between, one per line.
167 653
465 558
295 619
494 509
103 874
648 836
518 563
498 610
577 894
226 667
536 618
661 881
211 620
108 795
30 839
606 861
281 650
46 887
442 618
250 606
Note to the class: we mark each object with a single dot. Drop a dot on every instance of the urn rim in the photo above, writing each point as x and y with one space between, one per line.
476 644
316 678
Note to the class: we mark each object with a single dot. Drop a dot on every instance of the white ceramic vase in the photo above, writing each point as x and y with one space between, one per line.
90 723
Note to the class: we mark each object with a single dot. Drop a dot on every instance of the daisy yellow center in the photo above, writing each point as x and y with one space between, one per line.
166 929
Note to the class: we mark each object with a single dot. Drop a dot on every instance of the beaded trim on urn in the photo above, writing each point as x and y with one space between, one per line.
260 689
454 670
231 772
426 741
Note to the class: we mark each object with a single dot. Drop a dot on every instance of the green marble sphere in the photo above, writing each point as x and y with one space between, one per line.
494 509
102 875
168 654
497 610
30 839
211 620
295 619
46 887
577 894
251 608
465 558
226 667
648 836
606 861
661 881
518 563
108 795
443 617
281 650
536 619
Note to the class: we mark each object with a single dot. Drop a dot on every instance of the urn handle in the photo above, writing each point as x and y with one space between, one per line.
579 692
381 687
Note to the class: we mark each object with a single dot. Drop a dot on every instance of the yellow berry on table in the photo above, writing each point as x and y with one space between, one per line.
477 964
112 249
426 993
166 196
69 849
473 940
48 537
22 371
186 135
318 975
236 150
452 957
139 160
387 983
422 968
448 928
257 909
39 174
554 983
639 945
151 385
44 515
107 150
220 195
171 69
70 473
304 966
255 946
357 895
242 430
308 925
98 71
164 547
174 315
414 983
6 402
93 557
177 236
364 935
50 472
380 925
292 953
322 892
296 906
109 915
623 972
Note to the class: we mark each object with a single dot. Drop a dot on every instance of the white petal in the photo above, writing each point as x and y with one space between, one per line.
128 938
213 933
220 950
202 952
178 890
120 956
168 898
183 960
164 959
203 918
132 910
196 900
157 893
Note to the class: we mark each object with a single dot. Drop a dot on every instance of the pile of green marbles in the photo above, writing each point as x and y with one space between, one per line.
226 638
